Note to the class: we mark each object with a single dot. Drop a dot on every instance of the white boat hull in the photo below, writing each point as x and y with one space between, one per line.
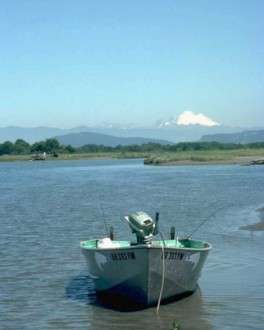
136 272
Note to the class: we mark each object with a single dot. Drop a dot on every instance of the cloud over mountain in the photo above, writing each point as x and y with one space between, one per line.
190 118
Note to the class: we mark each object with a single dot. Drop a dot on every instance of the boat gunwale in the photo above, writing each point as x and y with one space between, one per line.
146 246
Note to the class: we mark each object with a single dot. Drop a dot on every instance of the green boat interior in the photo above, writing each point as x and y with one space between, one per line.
145 229
179 244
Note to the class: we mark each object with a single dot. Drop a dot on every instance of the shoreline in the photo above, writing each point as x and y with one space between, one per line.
244 161
16 158
158 158
257 226
155 161
212 157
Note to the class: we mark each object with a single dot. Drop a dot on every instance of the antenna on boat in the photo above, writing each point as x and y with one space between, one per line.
156 230
111 233
107 231
172 232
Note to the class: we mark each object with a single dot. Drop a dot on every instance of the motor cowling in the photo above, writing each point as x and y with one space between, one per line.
142 225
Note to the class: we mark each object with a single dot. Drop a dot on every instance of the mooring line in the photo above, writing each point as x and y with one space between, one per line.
163 272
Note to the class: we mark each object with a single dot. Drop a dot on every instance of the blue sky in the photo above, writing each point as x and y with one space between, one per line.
68 63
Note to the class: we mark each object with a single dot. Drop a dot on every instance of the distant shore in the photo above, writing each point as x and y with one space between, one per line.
210 157
213 157
14 158
73 156
236 161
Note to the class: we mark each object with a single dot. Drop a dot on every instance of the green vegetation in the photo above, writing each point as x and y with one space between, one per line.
153 153
206 156
21 147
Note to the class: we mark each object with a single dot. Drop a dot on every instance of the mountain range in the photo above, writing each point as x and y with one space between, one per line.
34 134
187 126
241 137
172 133
82 138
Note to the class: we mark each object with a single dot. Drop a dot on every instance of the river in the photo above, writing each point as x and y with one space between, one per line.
47 207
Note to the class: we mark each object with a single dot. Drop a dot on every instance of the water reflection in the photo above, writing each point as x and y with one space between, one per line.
112 312
81 288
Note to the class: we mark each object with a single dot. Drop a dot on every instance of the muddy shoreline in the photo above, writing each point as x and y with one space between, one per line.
246 161
258 226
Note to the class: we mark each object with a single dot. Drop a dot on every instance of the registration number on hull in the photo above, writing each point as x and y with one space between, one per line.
175 256
123 256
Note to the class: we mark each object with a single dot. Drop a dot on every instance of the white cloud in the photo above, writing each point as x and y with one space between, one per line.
190 118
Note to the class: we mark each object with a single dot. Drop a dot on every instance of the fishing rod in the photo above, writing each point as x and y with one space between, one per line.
105 224
205 221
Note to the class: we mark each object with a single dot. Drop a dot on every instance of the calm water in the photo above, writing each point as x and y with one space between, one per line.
46 208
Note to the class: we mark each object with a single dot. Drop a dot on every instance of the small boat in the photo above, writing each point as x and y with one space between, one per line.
39 156
145 271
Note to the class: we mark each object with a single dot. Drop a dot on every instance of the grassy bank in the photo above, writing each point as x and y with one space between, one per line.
235 156
153 153
77 156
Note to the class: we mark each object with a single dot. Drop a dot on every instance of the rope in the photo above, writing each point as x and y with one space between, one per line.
163 273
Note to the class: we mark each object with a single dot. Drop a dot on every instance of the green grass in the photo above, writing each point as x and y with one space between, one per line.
77 156
213 156
12 158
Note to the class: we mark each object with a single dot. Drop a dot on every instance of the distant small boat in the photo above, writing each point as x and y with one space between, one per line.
148 270
39 156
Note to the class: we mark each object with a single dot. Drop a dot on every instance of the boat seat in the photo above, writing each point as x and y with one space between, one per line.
107 243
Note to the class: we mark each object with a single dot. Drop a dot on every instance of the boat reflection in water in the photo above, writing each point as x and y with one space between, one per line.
112 312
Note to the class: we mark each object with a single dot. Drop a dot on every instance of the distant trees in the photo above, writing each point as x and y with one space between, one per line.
38 147
49 146
70 149
193 146
52 146
21 147
18 148
6 148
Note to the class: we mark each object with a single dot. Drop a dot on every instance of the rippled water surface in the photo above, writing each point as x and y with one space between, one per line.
46 208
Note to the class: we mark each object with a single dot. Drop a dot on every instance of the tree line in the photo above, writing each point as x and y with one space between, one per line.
21 147
52 146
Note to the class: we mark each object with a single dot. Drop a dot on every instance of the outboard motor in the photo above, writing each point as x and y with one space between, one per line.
142 225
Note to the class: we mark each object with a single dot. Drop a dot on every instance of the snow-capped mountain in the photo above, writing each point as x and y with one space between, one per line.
188 126
188 118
